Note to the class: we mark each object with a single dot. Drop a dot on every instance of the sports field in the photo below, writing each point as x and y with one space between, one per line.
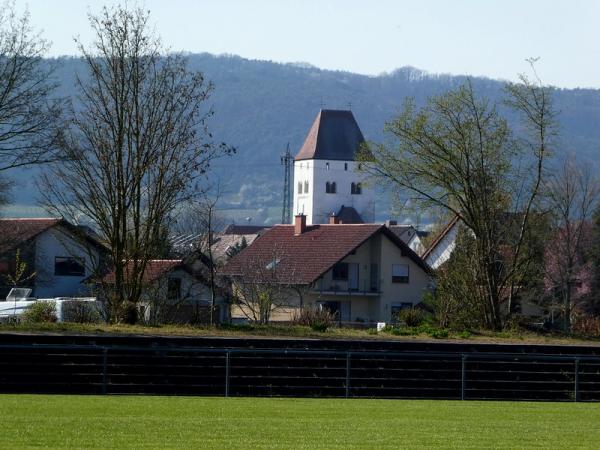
187 422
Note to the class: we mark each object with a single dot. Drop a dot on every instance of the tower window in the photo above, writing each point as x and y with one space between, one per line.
299 187
306 187
345 166
326 166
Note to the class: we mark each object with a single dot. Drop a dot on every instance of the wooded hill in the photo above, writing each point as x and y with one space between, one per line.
260 106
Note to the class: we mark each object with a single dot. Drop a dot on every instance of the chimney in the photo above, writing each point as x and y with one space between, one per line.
299 224
389 223
333 219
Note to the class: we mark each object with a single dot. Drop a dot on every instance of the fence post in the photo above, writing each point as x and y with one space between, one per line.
227 374
463 376
347 374
576 379
104 370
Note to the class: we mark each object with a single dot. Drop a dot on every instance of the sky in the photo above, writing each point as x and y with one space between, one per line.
490 38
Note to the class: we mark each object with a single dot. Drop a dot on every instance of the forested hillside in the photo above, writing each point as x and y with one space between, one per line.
261 106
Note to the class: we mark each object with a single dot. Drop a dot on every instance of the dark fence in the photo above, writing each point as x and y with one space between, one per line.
212 371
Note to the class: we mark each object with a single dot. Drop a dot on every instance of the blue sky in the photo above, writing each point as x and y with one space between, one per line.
476 37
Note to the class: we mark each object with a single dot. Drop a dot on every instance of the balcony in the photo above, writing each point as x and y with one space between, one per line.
365 288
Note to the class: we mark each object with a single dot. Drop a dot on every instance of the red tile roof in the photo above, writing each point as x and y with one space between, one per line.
155 268
302 259
14 232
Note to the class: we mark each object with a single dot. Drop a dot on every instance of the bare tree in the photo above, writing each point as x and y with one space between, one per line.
136 148
199 223
207 218
29 116
572 195
260 288
457 153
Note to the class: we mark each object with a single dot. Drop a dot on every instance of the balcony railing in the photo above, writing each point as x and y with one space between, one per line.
365 288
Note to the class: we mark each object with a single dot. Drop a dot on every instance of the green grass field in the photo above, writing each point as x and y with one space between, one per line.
187 422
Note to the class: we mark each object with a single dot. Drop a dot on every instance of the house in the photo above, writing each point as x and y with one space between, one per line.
176 290
409 234
232 239
362 272
223 244
327 176
58 255
443 244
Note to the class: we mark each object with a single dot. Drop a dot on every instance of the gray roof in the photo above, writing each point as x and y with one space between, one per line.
334 135
347 214
244 229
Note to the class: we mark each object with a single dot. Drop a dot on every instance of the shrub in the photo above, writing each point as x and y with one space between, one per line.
439 334
465 334
319 319
587 326
412 317
40 312
78 311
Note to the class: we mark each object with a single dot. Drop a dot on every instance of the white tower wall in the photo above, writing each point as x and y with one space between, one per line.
317 204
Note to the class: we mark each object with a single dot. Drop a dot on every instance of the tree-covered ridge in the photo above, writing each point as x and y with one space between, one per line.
260 106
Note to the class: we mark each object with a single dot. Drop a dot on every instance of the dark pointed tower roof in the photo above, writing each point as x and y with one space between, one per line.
334 135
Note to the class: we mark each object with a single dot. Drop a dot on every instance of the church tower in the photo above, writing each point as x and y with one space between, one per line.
327 179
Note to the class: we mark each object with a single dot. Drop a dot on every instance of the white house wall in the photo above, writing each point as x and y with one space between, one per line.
53 243
442 251
376 308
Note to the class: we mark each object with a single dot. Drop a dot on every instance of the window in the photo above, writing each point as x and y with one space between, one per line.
299 187
353 188
306 187
333 187
174 288
359 166
65 266
330 187
356 188
326 166
345 166
340 271
399 273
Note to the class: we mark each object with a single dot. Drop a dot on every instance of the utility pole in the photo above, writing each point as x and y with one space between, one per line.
286 162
